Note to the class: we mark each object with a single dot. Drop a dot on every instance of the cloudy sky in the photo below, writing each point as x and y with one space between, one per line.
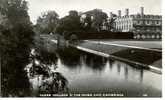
63 6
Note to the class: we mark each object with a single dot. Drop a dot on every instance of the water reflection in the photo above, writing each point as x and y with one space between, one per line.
94 62
110 62
118 68
113 75
69 57
72 71
126 71
141 75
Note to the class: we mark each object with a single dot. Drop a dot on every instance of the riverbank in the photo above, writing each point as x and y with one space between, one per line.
147 58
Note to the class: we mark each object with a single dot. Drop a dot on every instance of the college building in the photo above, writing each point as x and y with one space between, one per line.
143 26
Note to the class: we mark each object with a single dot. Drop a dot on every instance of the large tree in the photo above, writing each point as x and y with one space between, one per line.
16 37
87 22
47 22
110 23
70 23
97 17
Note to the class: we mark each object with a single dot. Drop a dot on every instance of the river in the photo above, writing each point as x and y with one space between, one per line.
88 73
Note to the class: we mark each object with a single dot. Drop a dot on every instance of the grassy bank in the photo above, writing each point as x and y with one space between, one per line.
137 55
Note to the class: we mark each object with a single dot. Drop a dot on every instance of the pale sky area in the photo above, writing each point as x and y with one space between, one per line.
62 7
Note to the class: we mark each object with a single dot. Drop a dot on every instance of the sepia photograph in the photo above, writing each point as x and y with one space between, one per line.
81 48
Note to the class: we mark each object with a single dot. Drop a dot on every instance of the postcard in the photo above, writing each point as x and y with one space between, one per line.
81 48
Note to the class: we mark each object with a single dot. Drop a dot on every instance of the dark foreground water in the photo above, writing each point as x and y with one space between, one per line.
95 75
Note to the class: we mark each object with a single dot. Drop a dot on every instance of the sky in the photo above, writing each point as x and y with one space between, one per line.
62 7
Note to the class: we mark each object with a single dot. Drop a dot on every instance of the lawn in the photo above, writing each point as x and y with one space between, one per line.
145 44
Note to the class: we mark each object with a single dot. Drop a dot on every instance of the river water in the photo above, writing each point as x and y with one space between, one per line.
88 73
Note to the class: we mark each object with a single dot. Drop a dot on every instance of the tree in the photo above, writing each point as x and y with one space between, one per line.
9 9
47 22
97 18
16 39
110 23
87 22
70 23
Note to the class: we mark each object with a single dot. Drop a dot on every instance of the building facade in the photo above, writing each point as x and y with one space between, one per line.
142 25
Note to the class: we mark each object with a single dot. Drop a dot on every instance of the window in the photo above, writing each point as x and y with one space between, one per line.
143 36
138 22
157 36
147 22
153 36
138 16
138 36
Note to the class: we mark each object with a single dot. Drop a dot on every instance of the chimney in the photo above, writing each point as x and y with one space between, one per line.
127 12
119 13
142 11
111 14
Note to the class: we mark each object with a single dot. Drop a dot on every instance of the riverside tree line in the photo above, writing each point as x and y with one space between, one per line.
90 21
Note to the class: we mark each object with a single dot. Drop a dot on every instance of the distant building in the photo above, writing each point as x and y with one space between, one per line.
143 26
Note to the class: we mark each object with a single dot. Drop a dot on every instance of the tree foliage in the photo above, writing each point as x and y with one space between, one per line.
15 40
70 23
15 11
95 18
110 23
47 22
87 23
